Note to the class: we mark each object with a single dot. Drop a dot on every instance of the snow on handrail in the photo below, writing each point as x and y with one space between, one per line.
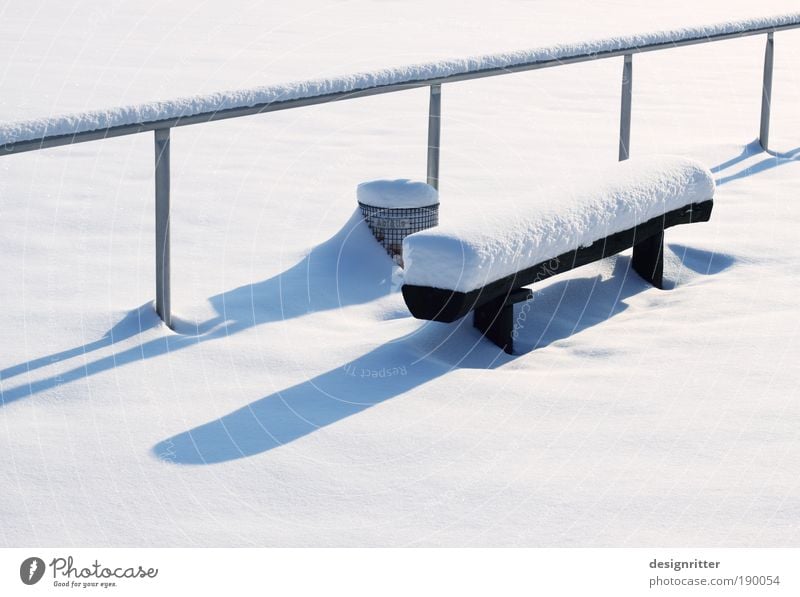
40 133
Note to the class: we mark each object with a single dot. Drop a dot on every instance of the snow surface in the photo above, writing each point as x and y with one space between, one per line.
497 242
183 107
400 193
298 403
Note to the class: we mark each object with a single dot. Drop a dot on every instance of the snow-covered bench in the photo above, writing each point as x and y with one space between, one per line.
483 265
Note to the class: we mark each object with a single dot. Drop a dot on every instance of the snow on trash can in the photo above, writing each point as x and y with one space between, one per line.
393 209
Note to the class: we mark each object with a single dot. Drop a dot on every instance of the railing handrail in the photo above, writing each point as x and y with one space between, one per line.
30 135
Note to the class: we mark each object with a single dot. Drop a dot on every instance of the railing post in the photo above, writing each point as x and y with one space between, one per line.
434 134
625 108
162 226
766 92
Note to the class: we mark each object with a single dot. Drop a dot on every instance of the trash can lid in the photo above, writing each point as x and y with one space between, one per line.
397 194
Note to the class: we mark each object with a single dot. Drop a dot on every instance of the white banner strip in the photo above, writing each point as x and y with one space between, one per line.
400 572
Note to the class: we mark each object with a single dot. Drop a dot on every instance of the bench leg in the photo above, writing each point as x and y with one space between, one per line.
648 259
495 319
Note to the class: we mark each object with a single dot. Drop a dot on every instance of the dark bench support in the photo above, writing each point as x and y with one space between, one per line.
495 319
648 259
493 303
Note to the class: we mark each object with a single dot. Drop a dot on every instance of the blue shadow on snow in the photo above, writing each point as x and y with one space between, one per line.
749 150
559 311
348 269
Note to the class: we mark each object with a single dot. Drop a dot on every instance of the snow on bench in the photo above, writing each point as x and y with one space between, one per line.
483 264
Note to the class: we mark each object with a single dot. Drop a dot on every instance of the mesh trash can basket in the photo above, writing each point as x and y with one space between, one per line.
394 209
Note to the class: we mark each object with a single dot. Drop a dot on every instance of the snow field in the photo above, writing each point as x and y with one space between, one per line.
632 417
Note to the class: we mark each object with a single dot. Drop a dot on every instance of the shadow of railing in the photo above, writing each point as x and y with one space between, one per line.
771 160
348 269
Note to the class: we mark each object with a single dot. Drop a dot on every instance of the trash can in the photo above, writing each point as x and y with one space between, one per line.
393 209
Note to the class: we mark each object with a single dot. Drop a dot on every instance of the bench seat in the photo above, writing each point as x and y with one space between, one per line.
451 270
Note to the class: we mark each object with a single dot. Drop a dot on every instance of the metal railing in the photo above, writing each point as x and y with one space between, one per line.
162 126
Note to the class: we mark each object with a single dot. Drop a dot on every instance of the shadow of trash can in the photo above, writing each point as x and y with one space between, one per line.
393 209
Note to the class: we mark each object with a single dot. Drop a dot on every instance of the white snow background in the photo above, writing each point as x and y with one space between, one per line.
297 403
